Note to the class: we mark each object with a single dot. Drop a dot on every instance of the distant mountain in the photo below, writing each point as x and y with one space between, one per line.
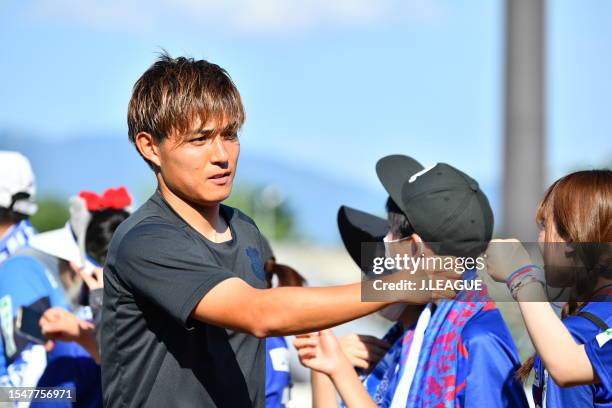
64 167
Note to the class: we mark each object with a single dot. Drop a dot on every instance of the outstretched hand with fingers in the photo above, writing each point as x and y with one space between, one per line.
321 352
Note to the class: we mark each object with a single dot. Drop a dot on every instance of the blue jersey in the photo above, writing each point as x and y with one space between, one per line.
26 281
278 379
594 395
599 351
69 366
486 358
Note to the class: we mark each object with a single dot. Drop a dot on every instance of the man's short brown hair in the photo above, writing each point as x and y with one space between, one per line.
174 92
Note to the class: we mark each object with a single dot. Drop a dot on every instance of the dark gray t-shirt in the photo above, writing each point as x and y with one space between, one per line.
157 270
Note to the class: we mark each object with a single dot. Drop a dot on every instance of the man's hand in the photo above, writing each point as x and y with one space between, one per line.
363 351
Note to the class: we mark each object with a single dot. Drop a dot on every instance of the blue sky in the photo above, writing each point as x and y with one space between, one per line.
331 86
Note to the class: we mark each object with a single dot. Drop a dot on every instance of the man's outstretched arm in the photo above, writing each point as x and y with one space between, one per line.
184 285
281 311
234 304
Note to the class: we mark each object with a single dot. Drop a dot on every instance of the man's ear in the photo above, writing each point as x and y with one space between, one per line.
148 147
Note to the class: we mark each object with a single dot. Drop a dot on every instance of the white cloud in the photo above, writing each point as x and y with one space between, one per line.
237 16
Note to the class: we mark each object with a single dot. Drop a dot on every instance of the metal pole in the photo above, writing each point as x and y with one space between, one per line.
524 132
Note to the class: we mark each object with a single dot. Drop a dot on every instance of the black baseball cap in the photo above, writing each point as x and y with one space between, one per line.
443 205
357 227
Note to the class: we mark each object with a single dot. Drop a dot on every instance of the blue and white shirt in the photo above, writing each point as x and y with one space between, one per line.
16 237
278 379
26 281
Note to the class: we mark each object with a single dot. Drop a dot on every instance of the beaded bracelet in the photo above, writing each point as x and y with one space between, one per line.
522 276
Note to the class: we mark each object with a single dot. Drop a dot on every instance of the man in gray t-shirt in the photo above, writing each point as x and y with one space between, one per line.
185 307
158 268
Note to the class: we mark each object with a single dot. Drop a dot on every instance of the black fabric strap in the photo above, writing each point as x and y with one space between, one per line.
596 320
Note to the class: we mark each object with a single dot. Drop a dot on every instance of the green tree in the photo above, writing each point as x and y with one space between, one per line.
270 211
52 214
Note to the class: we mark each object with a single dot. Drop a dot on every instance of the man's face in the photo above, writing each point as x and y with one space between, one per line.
200 166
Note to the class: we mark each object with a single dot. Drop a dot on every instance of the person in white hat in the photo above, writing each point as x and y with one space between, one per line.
17 202
44 277
24 279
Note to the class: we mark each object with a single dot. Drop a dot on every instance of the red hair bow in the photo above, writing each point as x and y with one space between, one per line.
113 198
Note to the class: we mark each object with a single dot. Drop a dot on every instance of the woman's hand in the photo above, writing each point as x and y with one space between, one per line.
505 256
363 351
321 352
92 278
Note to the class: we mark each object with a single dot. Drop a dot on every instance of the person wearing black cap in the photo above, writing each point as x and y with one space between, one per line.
452 353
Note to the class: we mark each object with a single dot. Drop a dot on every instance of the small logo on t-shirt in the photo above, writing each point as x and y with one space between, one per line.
602 338
280 359
256 263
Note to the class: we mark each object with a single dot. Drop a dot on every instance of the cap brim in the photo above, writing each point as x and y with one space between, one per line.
393 171
59 243
357 227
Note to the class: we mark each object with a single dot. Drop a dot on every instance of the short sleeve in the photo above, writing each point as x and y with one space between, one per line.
489 348
599 351
168 267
